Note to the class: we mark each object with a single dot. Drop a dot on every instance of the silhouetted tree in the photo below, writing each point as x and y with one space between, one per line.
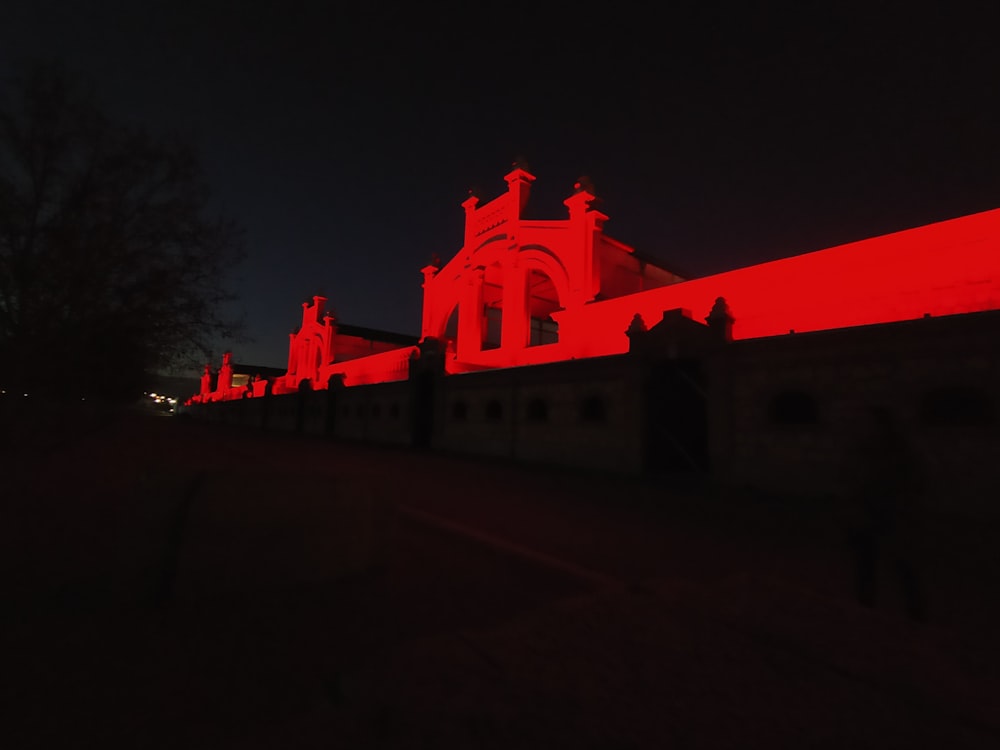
110 266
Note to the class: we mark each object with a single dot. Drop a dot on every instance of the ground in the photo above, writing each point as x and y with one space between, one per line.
177 584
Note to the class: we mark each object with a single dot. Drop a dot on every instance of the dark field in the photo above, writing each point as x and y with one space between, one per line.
173 584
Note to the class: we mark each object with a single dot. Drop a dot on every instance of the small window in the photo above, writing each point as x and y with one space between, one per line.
394 411
459 411
494 411
494 327
793 407
543 331
537 410
361 410
957 406
345 410
376 410
594 409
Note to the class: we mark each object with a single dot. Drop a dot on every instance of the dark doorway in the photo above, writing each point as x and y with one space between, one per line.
423 408
676 414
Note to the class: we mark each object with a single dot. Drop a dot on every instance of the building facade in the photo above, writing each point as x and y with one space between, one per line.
551 341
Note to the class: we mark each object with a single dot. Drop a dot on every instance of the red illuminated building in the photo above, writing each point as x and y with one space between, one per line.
551 342
524 292
322 348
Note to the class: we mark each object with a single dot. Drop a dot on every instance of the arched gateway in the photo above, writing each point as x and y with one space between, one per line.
514 292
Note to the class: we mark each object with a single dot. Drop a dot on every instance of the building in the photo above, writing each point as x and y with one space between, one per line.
551 341
322 348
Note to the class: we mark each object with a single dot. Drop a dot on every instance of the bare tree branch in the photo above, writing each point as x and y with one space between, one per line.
110 265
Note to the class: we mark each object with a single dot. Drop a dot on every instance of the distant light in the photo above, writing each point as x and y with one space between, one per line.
25 395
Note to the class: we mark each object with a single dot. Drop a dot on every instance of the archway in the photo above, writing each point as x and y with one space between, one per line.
493 280
449 336
543 300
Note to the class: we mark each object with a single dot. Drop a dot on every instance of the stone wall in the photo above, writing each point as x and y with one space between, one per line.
783 413
380 413
787 412
584 413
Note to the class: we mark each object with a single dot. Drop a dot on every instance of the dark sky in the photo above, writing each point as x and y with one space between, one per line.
344 140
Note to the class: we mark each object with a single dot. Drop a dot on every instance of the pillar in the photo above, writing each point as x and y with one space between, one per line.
519 188
470 316
516 319
429 272
226 373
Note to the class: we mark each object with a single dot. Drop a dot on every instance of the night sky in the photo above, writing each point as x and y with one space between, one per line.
344 140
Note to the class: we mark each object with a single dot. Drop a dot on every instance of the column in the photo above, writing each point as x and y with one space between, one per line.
516 318
470 316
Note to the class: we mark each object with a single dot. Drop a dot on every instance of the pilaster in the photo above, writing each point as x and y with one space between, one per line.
585 223
519 188
516 318
469 204
427 314
470 316
329 334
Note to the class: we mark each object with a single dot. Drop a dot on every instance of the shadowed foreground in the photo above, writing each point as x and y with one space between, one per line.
179 584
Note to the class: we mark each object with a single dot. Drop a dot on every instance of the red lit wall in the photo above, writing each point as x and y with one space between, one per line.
319 349
386 367
309 348
224 389
940 269
599 284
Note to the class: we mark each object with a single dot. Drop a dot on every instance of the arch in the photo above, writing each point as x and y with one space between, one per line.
451 323
448 292
489 259
542 300
443 312
494 292
537 257
309 355
487 242
449 329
